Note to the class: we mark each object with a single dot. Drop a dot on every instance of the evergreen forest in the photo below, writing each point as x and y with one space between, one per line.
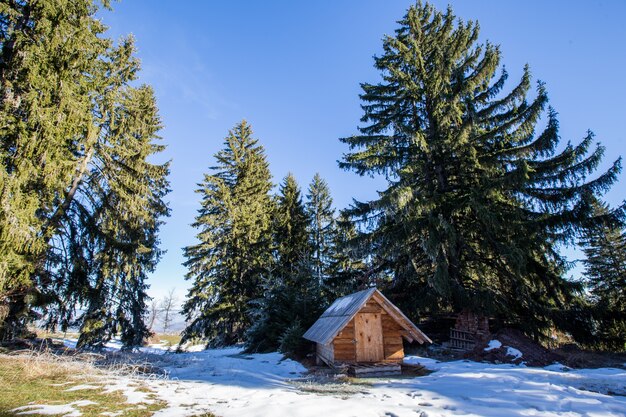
481 194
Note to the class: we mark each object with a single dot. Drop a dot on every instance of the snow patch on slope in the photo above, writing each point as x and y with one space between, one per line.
493 344
511 351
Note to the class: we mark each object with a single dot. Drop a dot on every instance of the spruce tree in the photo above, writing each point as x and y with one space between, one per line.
111 224
290 231
288 308
478 197
291 301
83 203
347 268
320 211
605 271
49 60
234 250
127 191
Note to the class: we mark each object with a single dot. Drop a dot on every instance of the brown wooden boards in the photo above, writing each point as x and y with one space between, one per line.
337 316
325 353
375 369
364 327
392 334
369 337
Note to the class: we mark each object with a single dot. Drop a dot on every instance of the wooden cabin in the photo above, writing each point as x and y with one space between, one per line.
364 327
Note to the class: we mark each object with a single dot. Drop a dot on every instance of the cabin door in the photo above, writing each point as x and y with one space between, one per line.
369 337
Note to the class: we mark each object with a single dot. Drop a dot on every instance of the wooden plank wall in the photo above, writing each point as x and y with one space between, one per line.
392 337
325 352
369 337
344 346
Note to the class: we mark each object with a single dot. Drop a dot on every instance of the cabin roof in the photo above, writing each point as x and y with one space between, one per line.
339 314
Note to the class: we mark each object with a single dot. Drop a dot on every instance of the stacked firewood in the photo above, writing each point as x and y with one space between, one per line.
477 325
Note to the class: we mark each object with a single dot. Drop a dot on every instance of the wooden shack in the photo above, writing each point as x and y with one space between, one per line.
364 327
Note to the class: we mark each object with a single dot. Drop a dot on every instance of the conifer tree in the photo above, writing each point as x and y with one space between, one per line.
290 231
82 200
605 270
478 196
48 58
320 211
110 225
291 301
288 308
347 269
126 192
234 249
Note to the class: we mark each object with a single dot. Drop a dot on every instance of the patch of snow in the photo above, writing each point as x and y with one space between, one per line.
428 363
229 383
493 344
128 388
110 346
194 348
83 386
557 367
67 410
113 345
340 304
158 349
70 343
511 351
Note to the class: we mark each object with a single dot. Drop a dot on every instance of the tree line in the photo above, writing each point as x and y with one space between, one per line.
264 265
479 201
480 196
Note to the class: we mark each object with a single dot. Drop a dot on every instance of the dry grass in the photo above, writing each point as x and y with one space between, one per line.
167 339
43 378
33 365
43 334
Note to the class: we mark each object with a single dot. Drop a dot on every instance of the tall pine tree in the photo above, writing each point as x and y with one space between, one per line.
49 54
291 301
290 230
114 218
478 196
347 268
321 214
605 270
234 250
75 184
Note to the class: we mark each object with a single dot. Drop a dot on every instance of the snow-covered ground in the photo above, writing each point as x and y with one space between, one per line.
229 383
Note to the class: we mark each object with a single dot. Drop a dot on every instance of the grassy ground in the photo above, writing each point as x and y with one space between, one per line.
31 378
44 379
166 339
42 334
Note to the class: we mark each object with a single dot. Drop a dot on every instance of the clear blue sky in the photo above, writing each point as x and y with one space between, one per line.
293 68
